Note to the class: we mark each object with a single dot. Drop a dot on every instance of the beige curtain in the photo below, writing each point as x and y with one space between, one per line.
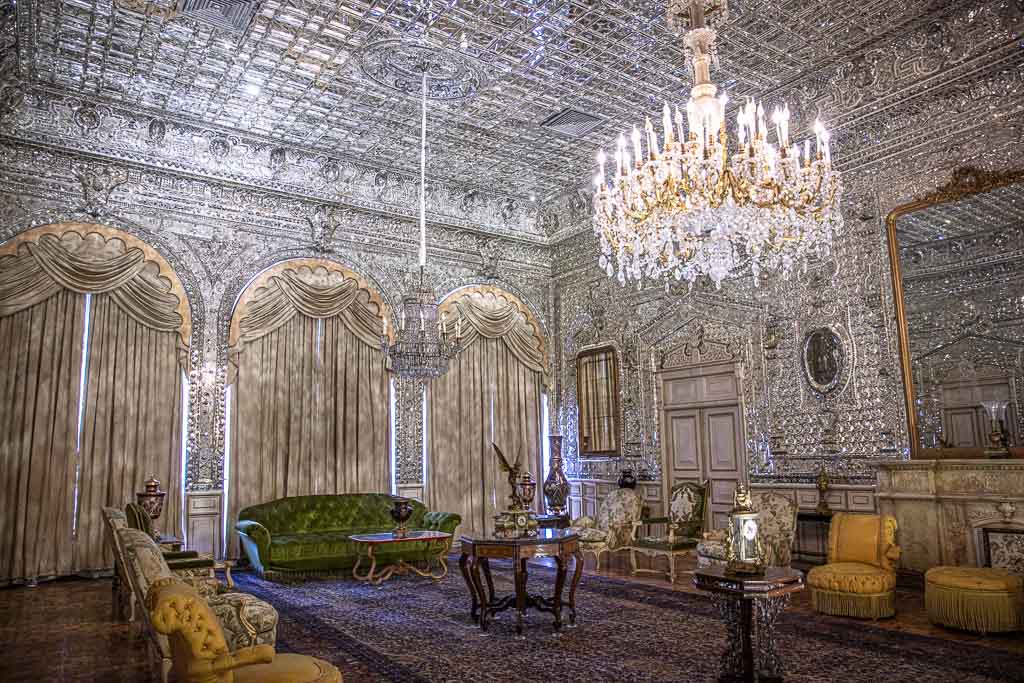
131 421
40 366
461 466
310 404
597 388
131 428
492 392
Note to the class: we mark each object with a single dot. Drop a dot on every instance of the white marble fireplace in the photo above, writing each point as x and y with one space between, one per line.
955 512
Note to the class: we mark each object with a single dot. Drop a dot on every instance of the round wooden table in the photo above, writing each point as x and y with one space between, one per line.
750 604
477 553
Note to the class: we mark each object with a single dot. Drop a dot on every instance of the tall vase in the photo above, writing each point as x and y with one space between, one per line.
556 486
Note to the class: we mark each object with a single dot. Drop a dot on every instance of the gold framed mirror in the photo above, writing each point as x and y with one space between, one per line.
956 257
599 420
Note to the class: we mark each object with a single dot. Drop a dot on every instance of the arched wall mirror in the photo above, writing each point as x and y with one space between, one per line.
599 427
957 260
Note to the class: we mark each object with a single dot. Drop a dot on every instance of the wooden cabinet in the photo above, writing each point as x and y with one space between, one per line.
204 522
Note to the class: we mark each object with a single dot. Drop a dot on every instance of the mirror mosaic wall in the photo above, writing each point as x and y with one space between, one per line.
224 199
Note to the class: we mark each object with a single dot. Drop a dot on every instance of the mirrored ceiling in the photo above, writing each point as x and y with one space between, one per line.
296 71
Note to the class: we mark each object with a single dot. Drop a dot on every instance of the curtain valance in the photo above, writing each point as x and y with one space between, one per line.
313 290
492 313
92 260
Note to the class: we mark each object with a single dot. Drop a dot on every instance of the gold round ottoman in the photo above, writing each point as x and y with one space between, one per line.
978 599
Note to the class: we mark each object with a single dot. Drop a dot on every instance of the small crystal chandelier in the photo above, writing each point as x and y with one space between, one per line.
689 207
423 344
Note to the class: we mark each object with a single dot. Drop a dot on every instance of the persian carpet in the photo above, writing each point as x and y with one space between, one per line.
411 629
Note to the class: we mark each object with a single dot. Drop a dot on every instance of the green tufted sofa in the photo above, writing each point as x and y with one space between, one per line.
309 535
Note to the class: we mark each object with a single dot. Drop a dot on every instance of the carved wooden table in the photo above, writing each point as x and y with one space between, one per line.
438 545
477 553
750 605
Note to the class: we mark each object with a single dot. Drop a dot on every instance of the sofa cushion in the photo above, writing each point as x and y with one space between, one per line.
851 577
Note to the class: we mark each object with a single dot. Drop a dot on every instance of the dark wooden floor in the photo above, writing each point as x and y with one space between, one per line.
66 630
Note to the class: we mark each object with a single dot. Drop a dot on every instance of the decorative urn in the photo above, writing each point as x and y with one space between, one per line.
151 498
556 486
627 479
401 511
743 552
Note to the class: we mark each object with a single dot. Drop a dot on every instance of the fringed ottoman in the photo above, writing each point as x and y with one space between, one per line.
979 599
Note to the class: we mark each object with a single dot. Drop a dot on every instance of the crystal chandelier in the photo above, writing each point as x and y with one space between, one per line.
683 205
423 345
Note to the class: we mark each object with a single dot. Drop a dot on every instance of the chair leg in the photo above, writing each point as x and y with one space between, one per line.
131 606
672 569
632 561
165 669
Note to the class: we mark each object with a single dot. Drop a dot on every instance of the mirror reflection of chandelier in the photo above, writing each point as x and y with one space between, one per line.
423 345
681 204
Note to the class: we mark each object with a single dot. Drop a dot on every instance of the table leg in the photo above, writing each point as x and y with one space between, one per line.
746 619
769 663
576 575
464 561
520 571
474 570
489 579
732 658
559 584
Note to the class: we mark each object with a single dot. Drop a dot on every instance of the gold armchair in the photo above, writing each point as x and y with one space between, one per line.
859 579
200 652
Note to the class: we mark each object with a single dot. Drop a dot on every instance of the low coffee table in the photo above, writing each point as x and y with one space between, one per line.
436 539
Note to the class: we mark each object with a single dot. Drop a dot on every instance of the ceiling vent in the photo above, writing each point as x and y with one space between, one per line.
572 123
228 15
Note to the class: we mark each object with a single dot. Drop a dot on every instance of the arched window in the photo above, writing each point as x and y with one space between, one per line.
492 392
309 388
94 331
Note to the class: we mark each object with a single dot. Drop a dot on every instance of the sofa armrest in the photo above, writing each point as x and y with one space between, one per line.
255 539
447 522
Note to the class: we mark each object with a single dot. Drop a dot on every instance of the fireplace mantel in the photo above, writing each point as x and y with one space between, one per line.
944 507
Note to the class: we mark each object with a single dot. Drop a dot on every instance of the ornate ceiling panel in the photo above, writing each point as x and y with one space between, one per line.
998 211
299 71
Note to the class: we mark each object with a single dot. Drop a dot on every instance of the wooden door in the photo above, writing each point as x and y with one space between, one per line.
702 434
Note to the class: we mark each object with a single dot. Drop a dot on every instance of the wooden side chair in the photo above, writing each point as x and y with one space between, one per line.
687 512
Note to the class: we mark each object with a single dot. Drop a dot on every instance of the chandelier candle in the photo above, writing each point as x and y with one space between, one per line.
690 207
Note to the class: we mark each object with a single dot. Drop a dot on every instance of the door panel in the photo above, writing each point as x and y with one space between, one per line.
961 428
724 456
684 443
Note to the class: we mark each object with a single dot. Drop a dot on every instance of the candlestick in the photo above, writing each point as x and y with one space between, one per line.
637 152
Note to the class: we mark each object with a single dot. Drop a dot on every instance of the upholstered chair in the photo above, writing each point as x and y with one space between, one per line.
776 528
184 562
201 653
859 579
687 512
245 619
613 527
114 519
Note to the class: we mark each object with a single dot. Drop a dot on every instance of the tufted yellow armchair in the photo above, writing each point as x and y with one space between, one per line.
860 577
200 652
